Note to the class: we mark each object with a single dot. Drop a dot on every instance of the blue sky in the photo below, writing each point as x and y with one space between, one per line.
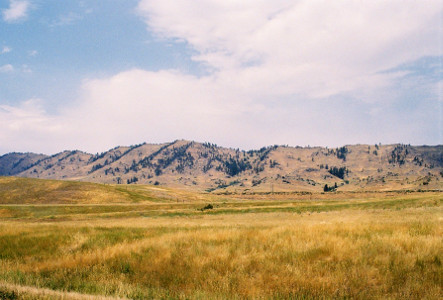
63 42
91 75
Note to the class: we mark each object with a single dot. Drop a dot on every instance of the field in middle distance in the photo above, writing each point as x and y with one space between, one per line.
221 206
307 246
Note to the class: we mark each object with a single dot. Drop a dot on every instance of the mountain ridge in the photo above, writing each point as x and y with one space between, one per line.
206 166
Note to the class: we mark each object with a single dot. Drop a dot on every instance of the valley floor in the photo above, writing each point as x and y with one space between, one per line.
370 246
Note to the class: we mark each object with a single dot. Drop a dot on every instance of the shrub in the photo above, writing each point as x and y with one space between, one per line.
209 206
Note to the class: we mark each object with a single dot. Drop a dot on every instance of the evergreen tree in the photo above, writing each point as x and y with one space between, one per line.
326 188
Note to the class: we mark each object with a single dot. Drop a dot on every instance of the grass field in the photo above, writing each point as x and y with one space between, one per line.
143 242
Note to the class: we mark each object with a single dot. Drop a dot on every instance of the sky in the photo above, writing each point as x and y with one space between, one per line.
91 75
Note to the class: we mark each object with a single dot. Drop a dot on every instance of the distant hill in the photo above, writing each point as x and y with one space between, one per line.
206 166
18 190
15 163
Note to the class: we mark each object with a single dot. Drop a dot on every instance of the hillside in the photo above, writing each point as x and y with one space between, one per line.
17 190
14 163
211 168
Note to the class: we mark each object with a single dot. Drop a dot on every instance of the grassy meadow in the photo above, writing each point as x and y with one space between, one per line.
72 240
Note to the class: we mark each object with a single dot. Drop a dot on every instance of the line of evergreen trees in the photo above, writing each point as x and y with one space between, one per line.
327 188
339 172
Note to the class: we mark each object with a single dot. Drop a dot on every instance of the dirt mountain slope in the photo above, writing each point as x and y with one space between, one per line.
205 166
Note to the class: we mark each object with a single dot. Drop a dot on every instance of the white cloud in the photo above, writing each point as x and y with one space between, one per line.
28 126
5 49
26 69
33 53
67 19
313 48
17 10
19 117
154 106
6 68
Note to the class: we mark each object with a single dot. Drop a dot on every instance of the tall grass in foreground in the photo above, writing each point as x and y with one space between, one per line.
341 254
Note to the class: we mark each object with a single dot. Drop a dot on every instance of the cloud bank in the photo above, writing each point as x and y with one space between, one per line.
313 48
309 72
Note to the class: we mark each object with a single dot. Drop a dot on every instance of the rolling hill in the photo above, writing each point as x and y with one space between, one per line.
208 167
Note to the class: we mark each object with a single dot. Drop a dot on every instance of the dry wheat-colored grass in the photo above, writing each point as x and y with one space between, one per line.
381 248
14 291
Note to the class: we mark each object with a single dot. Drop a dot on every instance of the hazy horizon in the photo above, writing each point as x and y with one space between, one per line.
227 147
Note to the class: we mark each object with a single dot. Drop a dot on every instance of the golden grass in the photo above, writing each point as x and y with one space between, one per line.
28 191
14 291
340 254
265 246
